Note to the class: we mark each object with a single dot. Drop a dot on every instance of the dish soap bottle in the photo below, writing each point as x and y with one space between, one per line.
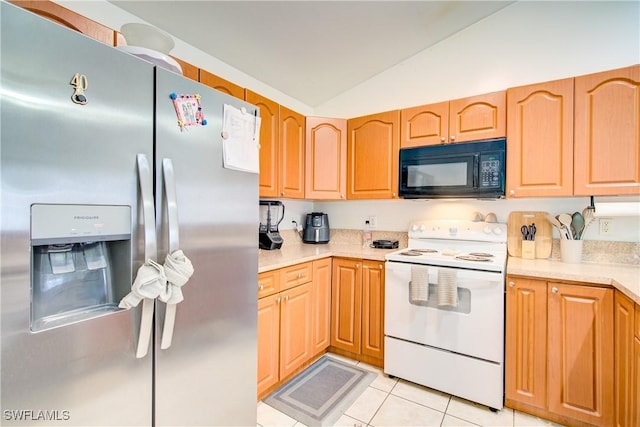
366 235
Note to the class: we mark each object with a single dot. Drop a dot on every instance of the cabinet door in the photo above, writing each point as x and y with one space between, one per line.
540 139
326 158
373 309
346 297
581 372
636 385
607 133
624 313
292 135
221 84
526 342
295 328
372 153
70 19
268 342
478 117
269 142
424 125
321 310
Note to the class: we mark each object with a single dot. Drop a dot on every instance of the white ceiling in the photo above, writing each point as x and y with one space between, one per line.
311 50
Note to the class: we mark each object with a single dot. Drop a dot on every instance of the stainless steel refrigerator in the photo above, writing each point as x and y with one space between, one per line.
98 177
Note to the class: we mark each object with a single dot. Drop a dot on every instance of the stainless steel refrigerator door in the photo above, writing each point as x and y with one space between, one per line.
54 151
208 375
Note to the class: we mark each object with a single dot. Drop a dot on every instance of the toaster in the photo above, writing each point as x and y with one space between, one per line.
316 228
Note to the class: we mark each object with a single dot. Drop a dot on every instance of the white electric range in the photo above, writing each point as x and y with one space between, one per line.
444 309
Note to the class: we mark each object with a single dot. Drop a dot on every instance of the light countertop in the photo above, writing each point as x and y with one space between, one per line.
624 277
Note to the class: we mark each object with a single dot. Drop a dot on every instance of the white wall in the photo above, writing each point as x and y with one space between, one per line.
526 42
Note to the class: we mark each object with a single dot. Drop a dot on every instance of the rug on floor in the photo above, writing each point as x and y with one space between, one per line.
320 394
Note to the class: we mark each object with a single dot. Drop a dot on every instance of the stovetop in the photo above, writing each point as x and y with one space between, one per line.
460 244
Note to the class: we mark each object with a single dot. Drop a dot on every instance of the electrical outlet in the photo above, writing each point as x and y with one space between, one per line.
606 226
372 221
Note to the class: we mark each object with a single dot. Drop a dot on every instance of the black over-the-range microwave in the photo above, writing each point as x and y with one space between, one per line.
463 170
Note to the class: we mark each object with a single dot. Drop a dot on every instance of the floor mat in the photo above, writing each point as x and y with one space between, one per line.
321 393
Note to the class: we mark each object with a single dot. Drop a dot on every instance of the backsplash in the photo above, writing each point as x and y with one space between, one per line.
605 252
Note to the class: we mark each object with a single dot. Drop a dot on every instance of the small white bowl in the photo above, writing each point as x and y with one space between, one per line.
144 35
153 56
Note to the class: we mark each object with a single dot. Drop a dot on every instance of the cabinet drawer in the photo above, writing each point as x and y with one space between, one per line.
268 283
295 275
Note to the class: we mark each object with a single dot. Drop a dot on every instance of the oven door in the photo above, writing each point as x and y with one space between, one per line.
474 327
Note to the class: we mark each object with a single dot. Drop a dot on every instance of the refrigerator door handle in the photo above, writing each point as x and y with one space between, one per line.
150 249
174 244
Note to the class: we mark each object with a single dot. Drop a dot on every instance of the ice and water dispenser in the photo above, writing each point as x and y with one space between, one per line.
80 262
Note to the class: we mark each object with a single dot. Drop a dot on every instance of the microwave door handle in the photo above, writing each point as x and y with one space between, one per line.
150 249
476 172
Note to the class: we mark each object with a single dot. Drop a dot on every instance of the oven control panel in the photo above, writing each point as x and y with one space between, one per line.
459 230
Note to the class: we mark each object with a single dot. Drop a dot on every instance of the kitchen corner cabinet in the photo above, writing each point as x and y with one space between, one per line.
70 19
293 320
292 135
607 133
372 156
465 119
540 139
326 159
577 343
220 84
357 309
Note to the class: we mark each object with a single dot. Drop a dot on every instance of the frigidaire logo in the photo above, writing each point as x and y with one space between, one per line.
36 415
89 217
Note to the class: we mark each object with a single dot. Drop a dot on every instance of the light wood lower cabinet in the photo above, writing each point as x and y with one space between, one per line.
577 346
357 309
293 320
624 313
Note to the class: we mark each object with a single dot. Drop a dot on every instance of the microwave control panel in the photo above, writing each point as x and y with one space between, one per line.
490 170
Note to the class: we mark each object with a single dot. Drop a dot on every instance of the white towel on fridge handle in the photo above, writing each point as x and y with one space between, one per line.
178 269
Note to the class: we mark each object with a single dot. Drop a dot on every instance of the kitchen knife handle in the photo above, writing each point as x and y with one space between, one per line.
150 248
172 204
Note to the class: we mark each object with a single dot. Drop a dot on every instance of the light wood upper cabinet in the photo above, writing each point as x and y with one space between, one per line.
373 309
478 117
190 71
218 83
540 139
70 19
372 155
526 342
607 133
424 125
465 119
625 397
292 134
269 143
581 365
326 158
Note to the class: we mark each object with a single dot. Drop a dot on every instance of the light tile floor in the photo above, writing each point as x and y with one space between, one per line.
394 402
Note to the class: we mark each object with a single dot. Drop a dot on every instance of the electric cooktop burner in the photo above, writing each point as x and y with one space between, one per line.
472 257
410 253
425 251
481 254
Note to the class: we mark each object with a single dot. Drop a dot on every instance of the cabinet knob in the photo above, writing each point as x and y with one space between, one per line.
278 300
286 297
443 139
511 284
554 290
261 287
357 265
342 196
299 275
452 138
380 266
512 192
393 194
282 193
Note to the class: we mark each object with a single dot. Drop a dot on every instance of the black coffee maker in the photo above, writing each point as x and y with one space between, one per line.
271 215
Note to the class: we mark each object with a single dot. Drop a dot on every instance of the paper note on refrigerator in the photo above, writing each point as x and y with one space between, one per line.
240 140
